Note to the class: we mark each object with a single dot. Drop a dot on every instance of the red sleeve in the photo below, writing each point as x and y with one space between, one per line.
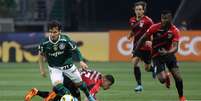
149 22
95 88
131 22
151 30
176 35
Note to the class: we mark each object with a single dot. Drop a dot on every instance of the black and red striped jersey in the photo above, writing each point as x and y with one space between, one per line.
139 27
162 38
93 79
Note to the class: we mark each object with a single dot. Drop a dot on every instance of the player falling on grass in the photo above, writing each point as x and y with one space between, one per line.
58 50
139 25
93 79
164 46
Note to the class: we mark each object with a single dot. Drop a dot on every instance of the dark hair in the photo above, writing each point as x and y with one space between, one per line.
164 12
53 24
110 78
142 3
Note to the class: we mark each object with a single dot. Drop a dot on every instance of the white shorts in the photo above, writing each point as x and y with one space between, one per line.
56 74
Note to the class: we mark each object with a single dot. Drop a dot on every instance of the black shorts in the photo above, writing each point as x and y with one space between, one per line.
161 62
144 56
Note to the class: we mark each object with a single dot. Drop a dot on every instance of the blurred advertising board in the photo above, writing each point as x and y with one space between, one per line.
189 46
19 47
96 45
120 47
23 47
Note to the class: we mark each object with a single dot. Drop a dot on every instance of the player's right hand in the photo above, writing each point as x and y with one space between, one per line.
83 65
43 73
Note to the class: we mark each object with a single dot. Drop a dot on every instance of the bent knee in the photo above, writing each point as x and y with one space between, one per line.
161 79
147 67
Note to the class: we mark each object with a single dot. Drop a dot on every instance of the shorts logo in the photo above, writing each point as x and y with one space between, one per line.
61 46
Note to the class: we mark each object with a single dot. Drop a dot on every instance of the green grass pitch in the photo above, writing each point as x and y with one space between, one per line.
16 79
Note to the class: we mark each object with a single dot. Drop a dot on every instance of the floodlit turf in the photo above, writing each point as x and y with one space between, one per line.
16 79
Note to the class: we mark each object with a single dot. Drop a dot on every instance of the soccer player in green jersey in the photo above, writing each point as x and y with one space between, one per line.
58 50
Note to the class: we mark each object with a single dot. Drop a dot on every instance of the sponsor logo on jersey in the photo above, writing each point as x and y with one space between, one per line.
55 54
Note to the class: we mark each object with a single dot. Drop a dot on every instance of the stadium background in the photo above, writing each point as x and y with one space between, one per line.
102 26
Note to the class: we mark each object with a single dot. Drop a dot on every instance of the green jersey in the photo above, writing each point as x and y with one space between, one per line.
59 53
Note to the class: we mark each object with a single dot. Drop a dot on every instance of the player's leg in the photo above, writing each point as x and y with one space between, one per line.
57 78
75 93
146 57
150 68
164 78
136 70
161 73
174 69
35 92
137 74
72 88
75 76
178 81
43 94
147 67
31 93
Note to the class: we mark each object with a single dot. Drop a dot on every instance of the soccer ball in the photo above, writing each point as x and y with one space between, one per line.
68 97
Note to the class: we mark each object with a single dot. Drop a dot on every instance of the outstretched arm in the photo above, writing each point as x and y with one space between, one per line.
41 65
82 63
74 48
41 60
140 42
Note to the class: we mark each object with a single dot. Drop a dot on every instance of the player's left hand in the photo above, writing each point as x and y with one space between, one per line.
162 51
83 65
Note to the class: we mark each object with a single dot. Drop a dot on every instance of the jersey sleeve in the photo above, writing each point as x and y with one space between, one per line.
149 23
66 36
95 88
131 22
176 35
151 30
72 46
